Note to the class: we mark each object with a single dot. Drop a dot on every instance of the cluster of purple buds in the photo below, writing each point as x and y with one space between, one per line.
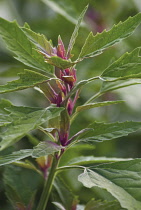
57 91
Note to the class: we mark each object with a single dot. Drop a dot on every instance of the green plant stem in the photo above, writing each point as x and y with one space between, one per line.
48 185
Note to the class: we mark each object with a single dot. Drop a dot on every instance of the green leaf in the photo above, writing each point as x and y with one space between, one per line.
109 131
59 62
93 105
61 189
94 45
78 86
121 179
27 79
20 185
25 119
126 67
27 164
45 47
45 148
39 40
19 43
89 160
7 159
102 205
4 114
67 9
75 33
109 86
58 205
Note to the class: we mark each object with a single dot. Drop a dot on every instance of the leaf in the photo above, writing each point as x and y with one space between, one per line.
79 85
28 165
121 179
93 105
126 67
39 40
58 205
4 114
27 79
89 160
25 119
75 32
20 185
59 62
7 159
45 148
19 43
4 120
94 45
114 85
46 49
61 189
109 131
102 205
66 8
85 130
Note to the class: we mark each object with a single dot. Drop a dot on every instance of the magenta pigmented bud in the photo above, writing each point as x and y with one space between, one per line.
44 163
61 52
70 106
59 99
63 138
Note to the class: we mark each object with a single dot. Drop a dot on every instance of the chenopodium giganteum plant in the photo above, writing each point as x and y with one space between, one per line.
54 74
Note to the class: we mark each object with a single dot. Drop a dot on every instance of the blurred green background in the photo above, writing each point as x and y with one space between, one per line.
54 18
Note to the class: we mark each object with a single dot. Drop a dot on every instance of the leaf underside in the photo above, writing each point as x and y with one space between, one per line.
121 179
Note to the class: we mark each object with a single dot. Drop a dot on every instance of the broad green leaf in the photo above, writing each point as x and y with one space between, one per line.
59 62
109 86
21 185
75 33
102 205
39 40
4 120
94 45
27 164
121 179
4 103
88 160
25 119
27 79
108 131
7 159
126 67
45 148
93 105
4 114
61 189
19 43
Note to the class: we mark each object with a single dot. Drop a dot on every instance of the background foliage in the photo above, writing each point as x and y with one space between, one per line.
58 17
